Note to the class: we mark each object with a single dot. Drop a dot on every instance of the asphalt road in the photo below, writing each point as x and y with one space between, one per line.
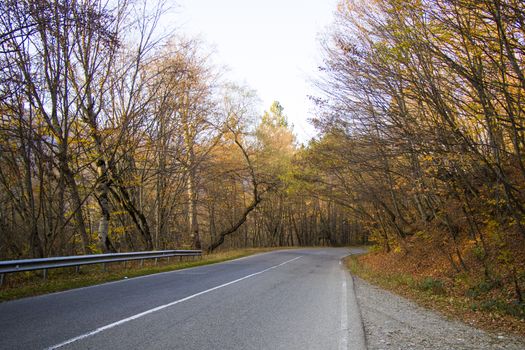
289 299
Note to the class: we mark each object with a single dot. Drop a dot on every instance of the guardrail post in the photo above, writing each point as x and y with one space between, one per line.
77 269
168 259
45 274
141 262
105 267
1 279
156 260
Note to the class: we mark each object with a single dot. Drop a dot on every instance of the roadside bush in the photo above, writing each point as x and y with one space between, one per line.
483 288
435 286
513 309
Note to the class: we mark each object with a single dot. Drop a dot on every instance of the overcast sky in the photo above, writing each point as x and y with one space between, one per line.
271 45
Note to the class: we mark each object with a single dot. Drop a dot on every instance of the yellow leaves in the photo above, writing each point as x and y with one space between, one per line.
505 256
79 140
120 230
95 247
425 235
427 158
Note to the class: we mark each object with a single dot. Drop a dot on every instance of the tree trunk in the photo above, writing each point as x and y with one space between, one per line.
193 210
77 205
101 192
220 239
122 196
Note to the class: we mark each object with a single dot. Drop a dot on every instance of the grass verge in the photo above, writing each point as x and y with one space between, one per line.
434 293
31 283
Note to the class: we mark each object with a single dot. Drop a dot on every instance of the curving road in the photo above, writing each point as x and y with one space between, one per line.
288 299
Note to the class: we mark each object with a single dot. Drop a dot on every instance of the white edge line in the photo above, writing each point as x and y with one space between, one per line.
344 316
147 312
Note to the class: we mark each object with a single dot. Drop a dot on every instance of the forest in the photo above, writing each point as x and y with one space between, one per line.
118 136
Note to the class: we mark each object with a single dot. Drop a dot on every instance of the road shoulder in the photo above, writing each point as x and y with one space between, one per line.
393 322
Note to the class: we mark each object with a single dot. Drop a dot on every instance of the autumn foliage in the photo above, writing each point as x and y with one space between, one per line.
423 134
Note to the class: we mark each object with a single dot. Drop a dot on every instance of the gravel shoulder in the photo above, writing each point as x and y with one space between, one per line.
393 322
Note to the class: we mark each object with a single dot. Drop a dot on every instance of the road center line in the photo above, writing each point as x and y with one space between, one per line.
147 312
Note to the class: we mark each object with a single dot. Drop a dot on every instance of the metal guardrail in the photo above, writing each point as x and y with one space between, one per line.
12 266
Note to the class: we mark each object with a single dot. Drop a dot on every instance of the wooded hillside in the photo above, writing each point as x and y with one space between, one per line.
423 123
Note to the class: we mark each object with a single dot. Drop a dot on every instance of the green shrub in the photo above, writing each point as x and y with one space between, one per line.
513 309
483 288
435 286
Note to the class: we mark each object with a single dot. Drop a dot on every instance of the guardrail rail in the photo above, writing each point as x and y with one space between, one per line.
12 266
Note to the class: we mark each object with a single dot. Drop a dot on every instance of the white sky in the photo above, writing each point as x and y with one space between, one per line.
270 45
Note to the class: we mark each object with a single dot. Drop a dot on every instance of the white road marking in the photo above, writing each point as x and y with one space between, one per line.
155 274
158 308
343 345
